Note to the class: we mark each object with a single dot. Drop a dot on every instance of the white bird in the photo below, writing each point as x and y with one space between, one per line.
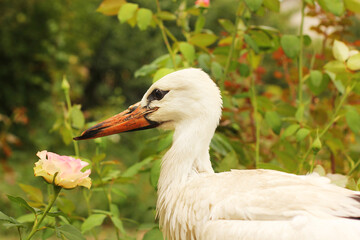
196 203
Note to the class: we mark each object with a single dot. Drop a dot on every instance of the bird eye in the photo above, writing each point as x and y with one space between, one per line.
157 94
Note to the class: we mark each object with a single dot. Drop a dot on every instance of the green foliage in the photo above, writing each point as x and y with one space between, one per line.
127 11
21 202
153 234
253 5
290 100
92 221
290 45
334 6
70 232
143 18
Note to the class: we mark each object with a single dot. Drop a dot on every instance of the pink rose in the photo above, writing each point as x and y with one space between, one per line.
202 3
68 169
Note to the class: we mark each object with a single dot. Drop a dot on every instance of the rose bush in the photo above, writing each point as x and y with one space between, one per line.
68 169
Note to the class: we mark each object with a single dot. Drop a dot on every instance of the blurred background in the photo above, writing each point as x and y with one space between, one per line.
43 41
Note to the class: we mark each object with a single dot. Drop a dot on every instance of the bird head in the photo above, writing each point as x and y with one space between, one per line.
177 99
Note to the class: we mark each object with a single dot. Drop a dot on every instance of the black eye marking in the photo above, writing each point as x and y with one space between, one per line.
156 94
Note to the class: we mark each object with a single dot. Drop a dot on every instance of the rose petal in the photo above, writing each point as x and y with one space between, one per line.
68 169
42 154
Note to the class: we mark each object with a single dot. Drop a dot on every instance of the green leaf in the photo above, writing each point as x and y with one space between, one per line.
155 173
216 70
21 202
253 5
220 143
353 63
337 82
134 169
99 211
114 210
244 70
26 218
307 40
66 205
300 113
153 234
227 25
118 224
200 22
335 67
316 77
11 225
167 16
274 121
98 158
353 5
77 117
323 85
110 7
70 232
34 193
230 161
127 11
264 39
204 61
301 134
145 70
164 142
273 5
118 192
188 51
47 233
143 18
251 43
340 51
92 221
353 119
290 45
334 6
66 135
286 157
6 218
161 73
203 39
290 130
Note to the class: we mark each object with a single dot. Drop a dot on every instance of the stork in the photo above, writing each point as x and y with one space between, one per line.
194 202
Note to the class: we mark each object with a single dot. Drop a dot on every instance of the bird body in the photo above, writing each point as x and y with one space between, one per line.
264 202
196 203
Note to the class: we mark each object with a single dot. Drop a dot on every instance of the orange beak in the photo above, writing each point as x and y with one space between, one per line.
132 119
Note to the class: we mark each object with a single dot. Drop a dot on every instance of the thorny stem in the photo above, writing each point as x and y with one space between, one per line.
232 46
34 229
69 106
19 231
257 123
333 119
107 194
164 35
312 163
300 60
256 114
87 201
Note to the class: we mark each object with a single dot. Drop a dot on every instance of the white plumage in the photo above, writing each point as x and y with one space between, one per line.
196 203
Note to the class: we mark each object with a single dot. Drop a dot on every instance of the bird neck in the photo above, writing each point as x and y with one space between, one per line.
188 155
